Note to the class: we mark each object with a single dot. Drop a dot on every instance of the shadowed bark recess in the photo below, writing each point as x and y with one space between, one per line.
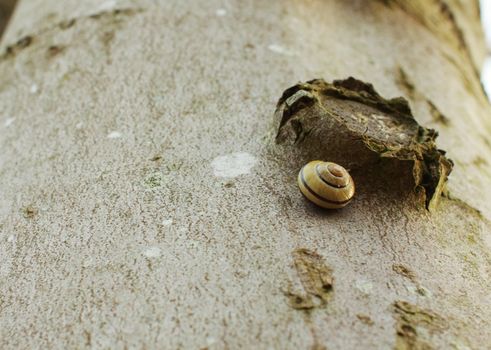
349 122
6 9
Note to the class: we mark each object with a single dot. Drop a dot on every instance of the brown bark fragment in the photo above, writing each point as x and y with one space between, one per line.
404 271
365 319
29 212
409 318
349 121
315 277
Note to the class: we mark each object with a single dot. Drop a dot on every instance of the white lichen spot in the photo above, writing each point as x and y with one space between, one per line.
114 135
221 12
152 252
233 164
88 262
11 238
33 89
8 122
210 341
458 345
419 290
167 222
364 286
402 136
79 125
280 50
107 5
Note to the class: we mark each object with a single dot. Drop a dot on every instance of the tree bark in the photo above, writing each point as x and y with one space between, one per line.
145 202
6 9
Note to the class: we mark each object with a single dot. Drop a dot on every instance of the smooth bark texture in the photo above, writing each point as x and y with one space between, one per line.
144 202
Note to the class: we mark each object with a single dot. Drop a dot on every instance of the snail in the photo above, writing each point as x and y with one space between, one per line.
326 184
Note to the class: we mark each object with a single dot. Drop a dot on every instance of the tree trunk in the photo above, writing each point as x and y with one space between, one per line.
145 202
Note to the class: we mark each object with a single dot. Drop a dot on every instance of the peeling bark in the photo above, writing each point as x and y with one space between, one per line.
340 115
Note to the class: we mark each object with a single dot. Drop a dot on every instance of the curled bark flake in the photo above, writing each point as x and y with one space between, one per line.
338 117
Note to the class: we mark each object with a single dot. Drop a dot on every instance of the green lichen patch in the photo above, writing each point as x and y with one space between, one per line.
342 117
410 319
316 278
154 180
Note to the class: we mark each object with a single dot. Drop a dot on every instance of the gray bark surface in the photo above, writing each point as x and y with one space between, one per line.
144 202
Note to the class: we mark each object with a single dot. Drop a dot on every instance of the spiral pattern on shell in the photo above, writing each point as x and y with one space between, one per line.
326 184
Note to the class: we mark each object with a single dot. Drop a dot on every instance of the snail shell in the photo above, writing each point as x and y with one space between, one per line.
326 184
